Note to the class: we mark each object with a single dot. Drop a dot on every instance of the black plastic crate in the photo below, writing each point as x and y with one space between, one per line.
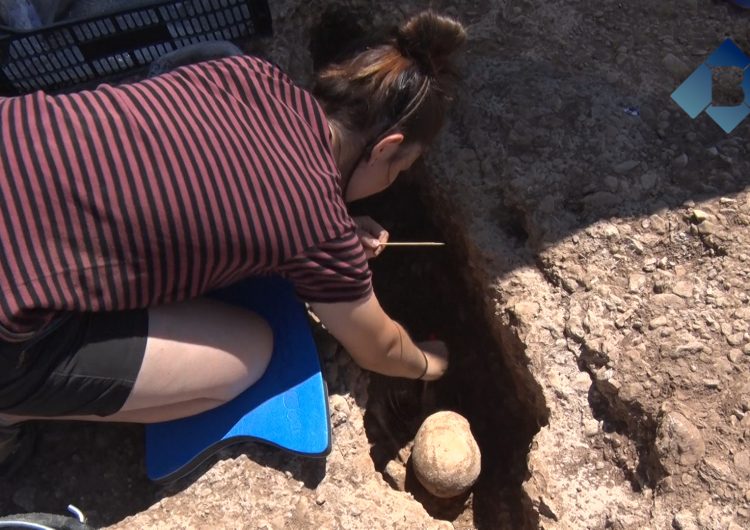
76 53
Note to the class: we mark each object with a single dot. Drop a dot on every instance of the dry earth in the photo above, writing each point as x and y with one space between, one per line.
606 255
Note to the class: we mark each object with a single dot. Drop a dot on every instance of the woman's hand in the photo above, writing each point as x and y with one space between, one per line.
436 353
371 235
380 344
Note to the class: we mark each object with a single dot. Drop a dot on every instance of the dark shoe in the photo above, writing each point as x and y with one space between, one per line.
16 446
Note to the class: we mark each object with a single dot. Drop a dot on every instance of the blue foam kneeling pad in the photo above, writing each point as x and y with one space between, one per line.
287 407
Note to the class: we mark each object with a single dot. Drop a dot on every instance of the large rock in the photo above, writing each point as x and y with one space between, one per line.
679 443
446 457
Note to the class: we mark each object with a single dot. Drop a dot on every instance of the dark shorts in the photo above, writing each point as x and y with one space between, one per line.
87 365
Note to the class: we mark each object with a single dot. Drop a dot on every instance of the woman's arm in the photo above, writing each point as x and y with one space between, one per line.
378 343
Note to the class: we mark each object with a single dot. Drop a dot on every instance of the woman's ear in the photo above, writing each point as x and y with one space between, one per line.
386 148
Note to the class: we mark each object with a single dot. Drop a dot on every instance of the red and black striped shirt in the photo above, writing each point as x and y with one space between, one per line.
131 196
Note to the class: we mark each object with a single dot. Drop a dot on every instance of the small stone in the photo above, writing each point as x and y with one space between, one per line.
735 355
339 410
658 322
395 474
698 216
712 383
736 339
667 300
446 457
659 225
610 231
622 320
746 349
338 403
684 520
680 161
590 427
708 228
742 463
627 165
683 289
404 454
582 382
631 392
636 282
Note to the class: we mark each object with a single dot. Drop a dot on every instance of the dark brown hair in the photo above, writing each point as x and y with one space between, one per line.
403 84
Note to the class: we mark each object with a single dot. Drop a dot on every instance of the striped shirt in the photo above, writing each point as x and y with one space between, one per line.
158 191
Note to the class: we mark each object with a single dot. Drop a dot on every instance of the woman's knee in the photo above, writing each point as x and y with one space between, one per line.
249 338
201 349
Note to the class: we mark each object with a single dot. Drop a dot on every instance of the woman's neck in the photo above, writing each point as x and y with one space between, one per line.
347 149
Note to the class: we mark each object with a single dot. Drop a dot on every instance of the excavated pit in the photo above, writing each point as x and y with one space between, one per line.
428 290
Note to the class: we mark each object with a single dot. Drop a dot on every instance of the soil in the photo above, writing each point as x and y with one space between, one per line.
594 293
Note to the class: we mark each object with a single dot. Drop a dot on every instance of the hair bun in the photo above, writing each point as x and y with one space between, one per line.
430 39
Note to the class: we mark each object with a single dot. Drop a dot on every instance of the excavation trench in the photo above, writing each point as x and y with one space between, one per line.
429 290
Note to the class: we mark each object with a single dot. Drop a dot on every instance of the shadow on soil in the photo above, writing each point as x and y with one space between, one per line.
425 289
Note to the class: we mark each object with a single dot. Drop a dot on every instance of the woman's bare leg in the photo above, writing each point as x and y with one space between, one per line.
150 415
199 354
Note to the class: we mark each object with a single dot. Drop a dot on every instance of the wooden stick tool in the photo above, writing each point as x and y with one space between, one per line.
414 244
